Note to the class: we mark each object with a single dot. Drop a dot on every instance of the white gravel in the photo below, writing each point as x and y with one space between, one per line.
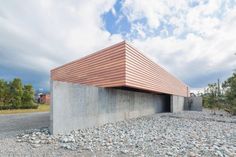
167 134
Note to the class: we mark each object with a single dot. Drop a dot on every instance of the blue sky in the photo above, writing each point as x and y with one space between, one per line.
193 39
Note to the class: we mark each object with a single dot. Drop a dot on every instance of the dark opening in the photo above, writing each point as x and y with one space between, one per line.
164 105
135 90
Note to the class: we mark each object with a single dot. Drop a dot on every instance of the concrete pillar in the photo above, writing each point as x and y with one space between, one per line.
176 103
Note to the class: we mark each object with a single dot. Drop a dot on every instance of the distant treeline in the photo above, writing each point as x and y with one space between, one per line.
221 96
15 95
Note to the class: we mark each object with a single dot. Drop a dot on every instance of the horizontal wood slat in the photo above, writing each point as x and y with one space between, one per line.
120 65
143 73
105 68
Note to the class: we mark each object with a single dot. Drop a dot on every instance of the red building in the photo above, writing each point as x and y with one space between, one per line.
44 99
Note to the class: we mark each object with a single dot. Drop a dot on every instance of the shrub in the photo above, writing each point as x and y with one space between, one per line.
13 95
10 107
33 106
233 110
230 95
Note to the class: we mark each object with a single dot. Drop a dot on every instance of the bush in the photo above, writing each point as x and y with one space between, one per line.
13 95
230 95
11 107
34 106
233 111
7 107
213 98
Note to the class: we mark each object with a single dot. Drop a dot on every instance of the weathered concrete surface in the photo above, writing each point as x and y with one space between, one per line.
193 104
77 106
177 103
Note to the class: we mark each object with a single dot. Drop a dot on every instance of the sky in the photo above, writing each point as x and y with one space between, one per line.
195 40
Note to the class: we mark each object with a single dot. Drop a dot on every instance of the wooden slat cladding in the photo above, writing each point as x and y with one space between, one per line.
143 73
120 65
105 68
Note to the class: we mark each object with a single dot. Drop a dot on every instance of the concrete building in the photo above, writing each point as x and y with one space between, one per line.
113 84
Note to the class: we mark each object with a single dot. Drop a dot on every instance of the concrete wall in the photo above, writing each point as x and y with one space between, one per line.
177 103
77 106
193 103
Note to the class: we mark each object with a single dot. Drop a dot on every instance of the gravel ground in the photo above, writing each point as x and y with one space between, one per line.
166 134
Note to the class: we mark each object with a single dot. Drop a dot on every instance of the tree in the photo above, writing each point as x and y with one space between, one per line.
7 97
3 86
28 96
13 95
212 98
230 94
16 92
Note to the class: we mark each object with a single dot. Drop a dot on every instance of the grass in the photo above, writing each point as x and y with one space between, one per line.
41 108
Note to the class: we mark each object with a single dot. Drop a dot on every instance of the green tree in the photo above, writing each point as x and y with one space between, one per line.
212 98
8 96
28 96
3 86
13 95
16 92
230 94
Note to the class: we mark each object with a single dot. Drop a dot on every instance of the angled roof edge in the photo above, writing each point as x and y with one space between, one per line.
143 54
93 53
120 65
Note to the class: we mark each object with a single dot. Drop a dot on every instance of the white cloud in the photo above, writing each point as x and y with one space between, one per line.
152 10
208 46
113 11
199 45
40 35
202 18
